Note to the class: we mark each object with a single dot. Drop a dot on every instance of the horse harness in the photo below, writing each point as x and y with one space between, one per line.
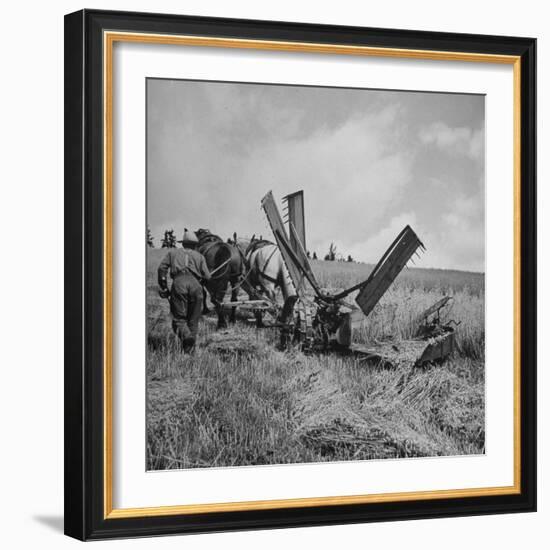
262 273
208 242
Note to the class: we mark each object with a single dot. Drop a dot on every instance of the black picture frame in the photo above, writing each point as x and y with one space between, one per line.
84 282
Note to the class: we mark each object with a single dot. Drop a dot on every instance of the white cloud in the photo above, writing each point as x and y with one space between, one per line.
456 141
371 249
453 240
457 241
367 167
350 177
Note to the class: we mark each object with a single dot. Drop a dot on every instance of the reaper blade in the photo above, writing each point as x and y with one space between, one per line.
387 269
281 237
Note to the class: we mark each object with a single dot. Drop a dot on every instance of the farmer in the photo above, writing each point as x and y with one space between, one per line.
188 271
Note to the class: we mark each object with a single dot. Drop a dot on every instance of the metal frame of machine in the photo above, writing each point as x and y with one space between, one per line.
324 321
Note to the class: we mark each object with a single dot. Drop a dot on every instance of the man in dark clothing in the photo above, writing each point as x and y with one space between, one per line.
187 269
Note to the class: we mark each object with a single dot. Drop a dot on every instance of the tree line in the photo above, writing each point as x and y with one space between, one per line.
169 241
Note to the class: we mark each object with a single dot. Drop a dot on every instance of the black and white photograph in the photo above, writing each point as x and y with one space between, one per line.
315 274
274 275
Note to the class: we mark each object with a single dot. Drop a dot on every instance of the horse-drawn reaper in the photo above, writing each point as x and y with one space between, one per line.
314 318
256 267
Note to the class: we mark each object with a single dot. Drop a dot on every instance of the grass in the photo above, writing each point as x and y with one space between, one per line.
239 401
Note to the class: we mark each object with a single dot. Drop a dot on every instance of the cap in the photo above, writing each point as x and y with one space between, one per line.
189 237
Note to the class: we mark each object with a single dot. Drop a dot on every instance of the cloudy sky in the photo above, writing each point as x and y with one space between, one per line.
369 162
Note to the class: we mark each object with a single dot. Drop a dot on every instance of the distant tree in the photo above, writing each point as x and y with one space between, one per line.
331 256
169 239
350 259
308 254
315 255
150 242
172 239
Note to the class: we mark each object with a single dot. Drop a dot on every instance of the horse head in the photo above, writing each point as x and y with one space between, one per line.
202 233
206 236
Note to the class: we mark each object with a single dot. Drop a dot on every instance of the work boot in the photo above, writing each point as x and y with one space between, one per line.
188 345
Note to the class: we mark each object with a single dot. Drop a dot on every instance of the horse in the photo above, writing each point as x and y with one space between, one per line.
266 271
226 263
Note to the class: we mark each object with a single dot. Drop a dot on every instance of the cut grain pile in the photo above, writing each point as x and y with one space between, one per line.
390 422
229 343
394 353
166 395
326 423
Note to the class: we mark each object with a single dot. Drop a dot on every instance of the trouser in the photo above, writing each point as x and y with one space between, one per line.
186 308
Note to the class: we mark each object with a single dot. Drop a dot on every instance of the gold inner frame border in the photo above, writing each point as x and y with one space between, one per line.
109 39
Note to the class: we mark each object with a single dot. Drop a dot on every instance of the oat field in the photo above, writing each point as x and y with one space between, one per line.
239 401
